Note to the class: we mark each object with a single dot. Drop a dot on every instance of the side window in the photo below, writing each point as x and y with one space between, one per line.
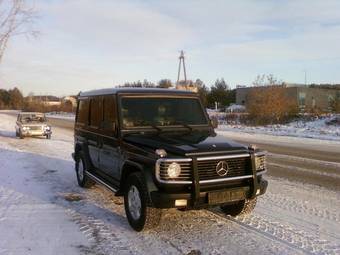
96 113
83 111
110 122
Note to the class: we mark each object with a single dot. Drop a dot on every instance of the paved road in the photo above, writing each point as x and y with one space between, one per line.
302 159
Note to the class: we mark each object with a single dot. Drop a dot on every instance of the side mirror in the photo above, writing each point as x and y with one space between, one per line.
214 122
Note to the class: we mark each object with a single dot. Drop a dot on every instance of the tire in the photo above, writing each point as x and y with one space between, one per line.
81 166
21 135
138 208
241 208
16 133
48 136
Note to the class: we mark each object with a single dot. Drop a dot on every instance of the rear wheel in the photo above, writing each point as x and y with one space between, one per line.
82 165
240 208
139 211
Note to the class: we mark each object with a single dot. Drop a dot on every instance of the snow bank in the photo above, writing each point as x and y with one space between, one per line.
61 115
317 129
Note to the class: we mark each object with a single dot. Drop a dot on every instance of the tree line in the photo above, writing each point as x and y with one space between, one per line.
13 99
218 93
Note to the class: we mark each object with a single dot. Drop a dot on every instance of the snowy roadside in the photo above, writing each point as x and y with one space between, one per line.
61 115
43 211
317 129
291 141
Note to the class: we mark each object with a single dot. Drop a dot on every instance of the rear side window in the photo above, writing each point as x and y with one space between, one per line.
83 111
109 113
96 112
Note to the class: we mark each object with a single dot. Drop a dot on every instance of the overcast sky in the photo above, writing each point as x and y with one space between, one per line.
94 44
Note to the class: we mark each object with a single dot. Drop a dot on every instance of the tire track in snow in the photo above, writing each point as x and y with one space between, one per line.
300 240
302 207
104 240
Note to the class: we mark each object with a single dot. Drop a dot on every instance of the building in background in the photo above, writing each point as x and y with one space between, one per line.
307 97
46 100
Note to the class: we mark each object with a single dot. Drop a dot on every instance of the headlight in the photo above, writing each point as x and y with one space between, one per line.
161 152
25 128
260 162
174 170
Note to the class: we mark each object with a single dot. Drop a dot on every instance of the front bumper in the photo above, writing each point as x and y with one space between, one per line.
168 200
35 133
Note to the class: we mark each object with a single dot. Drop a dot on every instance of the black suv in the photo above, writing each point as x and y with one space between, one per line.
158 149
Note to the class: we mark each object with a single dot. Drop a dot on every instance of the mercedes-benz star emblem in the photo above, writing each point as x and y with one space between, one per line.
222 168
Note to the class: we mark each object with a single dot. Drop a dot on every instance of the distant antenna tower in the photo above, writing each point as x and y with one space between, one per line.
181 59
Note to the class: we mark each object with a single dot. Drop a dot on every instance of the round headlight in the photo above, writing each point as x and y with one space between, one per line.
47 127
25 128
174 170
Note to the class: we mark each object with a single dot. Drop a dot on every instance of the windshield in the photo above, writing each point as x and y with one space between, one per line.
32 118
161 111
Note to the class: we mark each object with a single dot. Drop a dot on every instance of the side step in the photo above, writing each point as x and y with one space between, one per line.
98 180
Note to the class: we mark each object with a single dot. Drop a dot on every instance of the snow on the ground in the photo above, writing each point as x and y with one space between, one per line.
236 108
317 129
290 141
43 211
61 115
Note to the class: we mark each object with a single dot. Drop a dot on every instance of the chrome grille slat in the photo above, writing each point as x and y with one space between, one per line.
236 168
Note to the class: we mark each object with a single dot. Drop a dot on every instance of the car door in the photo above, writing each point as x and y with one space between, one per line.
93 136
110 151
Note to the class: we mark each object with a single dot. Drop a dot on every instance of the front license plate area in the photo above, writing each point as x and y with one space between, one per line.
226 196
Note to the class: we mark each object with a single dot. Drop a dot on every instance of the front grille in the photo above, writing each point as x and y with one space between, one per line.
35 128
236 167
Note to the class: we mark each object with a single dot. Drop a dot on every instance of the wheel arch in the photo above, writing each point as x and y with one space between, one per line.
130 167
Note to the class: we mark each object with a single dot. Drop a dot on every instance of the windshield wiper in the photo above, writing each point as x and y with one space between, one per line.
184 125
156 127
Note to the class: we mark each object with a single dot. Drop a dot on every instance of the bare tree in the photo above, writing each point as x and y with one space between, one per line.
16 18
269 102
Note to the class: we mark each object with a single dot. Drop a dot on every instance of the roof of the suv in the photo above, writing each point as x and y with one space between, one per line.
110 91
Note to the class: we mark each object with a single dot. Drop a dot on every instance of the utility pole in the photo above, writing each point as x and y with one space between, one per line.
181 59
305 77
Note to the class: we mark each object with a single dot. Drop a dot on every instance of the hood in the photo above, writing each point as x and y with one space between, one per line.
181 144
34 124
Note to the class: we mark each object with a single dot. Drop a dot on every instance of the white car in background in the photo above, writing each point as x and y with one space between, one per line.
32 124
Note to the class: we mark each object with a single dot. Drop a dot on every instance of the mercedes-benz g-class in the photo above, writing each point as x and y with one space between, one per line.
158 149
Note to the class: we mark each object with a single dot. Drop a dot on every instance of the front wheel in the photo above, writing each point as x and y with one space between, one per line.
82 165
240 208
140 214
48 136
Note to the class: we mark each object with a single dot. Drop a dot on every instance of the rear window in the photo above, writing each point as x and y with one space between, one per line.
109 113
96 112
83 112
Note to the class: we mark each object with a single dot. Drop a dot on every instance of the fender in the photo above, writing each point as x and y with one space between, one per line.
80 146
132 166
